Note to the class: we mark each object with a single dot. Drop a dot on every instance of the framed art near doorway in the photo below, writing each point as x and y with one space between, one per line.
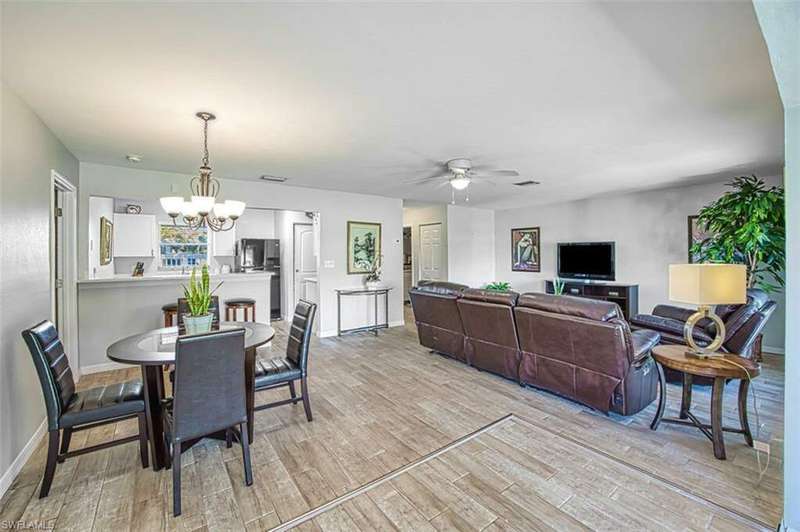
525 250
363 246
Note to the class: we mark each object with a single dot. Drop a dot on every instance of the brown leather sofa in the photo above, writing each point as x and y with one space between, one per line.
491 342
584 349
743 324
578 348
436 315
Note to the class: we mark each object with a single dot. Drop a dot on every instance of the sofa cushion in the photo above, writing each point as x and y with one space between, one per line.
669 326
440 287
591 309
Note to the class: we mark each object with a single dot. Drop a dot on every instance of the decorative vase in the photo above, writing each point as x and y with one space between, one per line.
197 324
372 285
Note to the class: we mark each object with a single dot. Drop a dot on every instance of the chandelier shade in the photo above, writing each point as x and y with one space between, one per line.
202 209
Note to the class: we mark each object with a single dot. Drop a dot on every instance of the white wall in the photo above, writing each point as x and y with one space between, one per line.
256 223
416 213
335 209
780 23
470 245
649 229
99 207
29 152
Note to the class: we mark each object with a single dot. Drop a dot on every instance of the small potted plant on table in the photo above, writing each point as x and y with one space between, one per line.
373 279
198 299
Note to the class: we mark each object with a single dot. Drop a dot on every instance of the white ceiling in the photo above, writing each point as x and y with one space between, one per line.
587 98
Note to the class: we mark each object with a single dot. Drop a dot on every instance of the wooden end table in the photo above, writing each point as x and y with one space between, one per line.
720 369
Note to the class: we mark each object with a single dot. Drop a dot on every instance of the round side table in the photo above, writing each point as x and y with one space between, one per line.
720 369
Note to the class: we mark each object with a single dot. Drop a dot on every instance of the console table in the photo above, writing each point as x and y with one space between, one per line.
624 295
362 292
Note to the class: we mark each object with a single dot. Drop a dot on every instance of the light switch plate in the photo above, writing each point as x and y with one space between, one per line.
329 264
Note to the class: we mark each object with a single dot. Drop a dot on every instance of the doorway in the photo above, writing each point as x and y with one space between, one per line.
305 264
64 265
430 251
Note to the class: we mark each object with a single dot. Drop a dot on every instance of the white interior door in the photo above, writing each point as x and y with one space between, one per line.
305 264
60 260
430 251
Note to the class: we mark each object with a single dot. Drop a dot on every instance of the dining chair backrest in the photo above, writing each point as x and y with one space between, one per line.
183 308
300 334
52 366
209 392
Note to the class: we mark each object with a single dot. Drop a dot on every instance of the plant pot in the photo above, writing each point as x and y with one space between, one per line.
372 285
197 324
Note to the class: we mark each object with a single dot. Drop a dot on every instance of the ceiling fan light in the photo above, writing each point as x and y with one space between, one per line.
172 205
235 208
460 182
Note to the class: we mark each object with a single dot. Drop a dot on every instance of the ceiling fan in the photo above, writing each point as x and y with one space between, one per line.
460 173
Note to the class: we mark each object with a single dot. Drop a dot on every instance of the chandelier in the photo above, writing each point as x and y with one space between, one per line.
202 210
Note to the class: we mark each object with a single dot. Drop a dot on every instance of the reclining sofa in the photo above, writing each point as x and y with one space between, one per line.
578 348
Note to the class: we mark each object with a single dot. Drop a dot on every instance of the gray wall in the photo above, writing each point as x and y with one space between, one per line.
29 152
649 229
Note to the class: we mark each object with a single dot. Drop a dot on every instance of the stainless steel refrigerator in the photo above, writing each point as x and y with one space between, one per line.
262 255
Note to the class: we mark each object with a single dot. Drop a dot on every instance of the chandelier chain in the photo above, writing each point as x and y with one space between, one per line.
205 141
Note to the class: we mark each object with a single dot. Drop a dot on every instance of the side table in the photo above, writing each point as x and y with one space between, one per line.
720 369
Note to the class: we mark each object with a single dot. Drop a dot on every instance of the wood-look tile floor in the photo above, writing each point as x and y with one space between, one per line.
381 403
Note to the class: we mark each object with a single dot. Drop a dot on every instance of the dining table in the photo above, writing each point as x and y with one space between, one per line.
153 350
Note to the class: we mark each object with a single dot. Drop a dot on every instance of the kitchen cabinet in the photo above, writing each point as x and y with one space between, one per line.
134 235
224 243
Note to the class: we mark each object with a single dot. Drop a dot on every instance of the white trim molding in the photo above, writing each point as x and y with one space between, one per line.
773 350
22 458
100 368
328 334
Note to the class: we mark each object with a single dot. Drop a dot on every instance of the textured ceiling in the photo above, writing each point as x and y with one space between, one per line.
587 98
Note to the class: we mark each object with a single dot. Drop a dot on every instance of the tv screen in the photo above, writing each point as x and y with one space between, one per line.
586 260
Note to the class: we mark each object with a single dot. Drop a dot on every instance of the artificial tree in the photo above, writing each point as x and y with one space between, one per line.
747 226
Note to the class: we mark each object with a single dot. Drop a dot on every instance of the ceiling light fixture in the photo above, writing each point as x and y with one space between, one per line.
202 210
273 178
460 182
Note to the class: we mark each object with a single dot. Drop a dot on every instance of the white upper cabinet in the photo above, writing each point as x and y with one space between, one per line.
134 235
224 243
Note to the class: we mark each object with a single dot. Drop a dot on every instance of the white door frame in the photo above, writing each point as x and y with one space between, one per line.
69 220
442 276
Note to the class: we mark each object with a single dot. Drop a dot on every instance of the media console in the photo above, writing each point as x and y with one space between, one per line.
624 295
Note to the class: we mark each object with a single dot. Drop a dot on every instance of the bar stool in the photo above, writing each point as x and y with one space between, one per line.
244 303
170 311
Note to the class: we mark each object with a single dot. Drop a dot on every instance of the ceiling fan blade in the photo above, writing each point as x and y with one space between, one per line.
495 173
419 180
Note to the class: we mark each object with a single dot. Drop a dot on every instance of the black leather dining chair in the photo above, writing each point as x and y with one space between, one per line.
71 411
279 372
208 398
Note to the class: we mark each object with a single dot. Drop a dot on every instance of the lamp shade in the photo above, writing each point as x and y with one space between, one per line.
708 284
172 205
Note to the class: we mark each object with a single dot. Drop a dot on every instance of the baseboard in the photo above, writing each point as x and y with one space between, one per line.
773 350
99 368
327 334
19 462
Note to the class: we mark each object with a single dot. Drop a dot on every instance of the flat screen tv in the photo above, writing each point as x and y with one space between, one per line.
586 260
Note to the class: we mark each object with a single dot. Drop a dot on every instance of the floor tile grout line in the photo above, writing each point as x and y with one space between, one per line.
730 512
314 512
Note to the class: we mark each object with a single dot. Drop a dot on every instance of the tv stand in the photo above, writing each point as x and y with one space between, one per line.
624 295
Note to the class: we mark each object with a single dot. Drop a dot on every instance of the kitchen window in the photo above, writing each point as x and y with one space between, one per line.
181 246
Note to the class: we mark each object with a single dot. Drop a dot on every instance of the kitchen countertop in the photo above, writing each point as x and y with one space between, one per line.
173 277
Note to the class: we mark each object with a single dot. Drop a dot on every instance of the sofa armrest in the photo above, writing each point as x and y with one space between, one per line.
673 313
643 342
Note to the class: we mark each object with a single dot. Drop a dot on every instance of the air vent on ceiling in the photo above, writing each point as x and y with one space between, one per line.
273 178
527 183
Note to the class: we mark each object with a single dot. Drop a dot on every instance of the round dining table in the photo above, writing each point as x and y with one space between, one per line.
152 350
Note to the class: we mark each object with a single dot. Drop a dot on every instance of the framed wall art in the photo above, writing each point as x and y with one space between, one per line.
363 246
525 250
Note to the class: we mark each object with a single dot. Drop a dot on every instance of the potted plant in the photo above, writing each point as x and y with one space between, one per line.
747 226
198 299
373 278
498 286
558 287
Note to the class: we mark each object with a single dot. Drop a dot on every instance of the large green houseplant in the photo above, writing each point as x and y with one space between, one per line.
747 226
198 299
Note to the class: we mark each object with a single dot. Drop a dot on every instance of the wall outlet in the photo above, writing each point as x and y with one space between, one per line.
328 264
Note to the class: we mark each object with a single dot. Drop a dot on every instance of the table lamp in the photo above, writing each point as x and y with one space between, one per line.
705 285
